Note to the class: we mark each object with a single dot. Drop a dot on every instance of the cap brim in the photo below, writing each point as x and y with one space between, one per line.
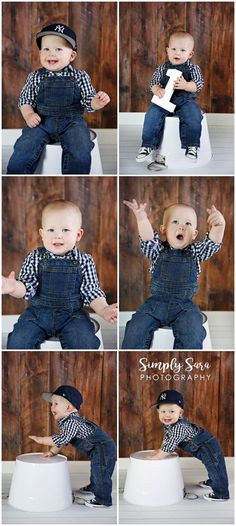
66 37
47 396
153 405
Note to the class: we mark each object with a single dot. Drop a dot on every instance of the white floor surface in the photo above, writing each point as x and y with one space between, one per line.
198 511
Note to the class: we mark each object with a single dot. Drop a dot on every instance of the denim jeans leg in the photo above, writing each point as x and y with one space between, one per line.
26 334
188 329
153 126
190 118
139 331
27 150
78 333
102 467
76 145
213 459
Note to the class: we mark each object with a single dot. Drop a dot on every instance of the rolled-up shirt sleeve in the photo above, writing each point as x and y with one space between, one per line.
30 90
90 287
87 91
29 274
196 76
67 431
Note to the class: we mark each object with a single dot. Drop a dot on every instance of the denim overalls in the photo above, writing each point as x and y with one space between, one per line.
58 104
101 449
205 447
56 310
173 285
187 109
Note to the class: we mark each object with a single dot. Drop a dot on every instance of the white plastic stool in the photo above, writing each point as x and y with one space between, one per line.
171 146
164 339
8 322
40 484
50 160
154 482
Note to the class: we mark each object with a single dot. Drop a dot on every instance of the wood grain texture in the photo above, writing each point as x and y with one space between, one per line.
27 374
206 402
217 276
23 200
145 28
97 51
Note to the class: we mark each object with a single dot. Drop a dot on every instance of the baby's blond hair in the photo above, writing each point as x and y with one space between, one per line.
182 34
167 210
62 204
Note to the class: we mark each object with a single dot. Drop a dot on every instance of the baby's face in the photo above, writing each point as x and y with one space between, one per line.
179 226
55 53
61 229
180 49
59 407
169 413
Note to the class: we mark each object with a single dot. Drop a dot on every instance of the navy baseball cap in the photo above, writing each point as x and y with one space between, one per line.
170 396
66 391
58 29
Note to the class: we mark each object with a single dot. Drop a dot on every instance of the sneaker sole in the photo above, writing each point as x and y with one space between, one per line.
156 167
95 505
214 500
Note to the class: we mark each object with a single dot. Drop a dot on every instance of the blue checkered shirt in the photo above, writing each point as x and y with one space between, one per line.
71 426
31 88
195 72
90 288
182 430
201 250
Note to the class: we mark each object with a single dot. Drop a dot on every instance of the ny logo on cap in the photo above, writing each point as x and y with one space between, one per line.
163 396
59 28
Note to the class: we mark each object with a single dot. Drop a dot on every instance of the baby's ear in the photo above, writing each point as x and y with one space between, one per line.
79 234
195 233
163 229
41 232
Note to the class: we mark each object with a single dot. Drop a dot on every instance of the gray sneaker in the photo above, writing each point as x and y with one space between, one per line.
158 163
143 154
204 484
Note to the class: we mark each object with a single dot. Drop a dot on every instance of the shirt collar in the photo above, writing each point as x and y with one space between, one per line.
72 254
67 416
66 69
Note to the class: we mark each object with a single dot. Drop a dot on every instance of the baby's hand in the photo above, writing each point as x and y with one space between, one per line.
155 455
110 313
138 210
8 284
215 217
32 119
48 454
158 91
100 100
180 83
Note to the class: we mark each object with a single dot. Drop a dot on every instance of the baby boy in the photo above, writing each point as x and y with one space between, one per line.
87 437
52 104
58 280
180 432
176 265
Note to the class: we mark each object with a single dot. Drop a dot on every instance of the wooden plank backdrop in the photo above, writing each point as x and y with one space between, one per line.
216 279
208 401
27 374
144 31
23 199
97 50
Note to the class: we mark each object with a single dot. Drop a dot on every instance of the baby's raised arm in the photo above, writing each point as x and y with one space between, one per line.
144 226
11 286
216 222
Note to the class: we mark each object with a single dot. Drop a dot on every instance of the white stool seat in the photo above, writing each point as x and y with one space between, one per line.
40 484
171 146
164 339
153 482
8 322
50 160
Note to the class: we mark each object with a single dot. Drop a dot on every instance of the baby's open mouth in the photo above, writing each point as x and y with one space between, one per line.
180 237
